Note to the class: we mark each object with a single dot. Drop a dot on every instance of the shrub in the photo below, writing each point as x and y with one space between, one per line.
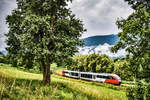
140 92
92 63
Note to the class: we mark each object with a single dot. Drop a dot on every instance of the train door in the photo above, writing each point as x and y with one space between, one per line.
94 77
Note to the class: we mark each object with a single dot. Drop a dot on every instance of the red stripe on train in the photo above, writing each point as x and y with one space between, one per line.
114 80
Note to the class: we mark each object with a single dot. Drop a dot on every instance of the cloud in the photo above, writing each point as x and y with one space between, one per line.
2 44
102 49
6 6
99 16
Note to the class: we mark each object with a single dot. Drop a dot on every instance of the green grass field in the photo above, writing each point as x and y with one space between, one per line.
16 84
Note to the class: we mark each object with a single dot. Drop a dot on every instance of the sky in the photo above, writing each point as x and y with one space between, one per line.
6 6
98 16
102 49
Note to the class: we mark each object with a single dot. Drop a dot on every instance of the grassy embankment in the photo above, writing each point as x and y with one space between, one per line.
17 84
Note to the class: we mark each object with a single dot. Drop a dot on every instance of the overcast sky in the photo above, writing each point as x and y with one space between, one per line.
98 16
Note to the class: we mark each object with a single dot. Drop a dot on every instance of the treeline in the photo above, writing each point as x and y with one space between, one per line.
102 64
4 59
26 64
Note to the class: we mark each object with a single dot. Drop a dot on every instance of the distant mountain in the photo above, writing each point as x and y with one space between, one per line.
101 40
1 53
4 52
101 45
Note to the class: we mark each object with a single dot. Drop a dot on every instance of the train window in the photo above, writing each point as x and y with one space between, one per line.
109 77
74 74
89 76
65 72
99 76
83 75
112 78
86 75
105 77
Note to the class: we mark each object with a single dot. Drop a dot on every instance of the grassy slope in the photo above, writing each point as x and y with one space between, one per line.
83 89
19 85
89 88
95 89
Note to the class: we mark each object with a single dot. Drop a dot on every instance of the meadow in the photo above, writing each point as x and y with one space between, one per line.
16 84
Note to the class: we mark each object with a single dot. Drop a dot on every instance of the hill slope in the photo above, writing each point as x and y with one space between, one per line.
101 40
66 88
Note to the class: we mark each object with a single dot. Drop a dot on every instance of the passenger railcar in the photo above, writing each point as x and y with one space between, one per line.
98 77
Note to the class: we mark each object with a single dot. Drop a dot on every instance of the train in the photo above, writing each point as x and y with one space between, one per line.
90 76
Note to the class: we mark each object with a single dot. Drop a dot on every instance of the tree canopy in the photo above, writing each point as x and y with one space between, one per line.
46 30
135 37
92 63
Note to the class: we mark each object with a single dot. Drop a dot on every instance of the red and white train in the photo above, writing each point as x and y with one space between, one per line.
98 77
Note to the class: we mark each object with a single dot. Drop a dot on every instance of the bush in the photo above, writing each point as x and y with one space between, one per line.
140 92
92 63
3 59
121 68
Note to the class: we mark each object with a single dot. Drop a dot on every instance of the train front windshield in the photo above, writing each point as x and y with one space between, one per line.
118 77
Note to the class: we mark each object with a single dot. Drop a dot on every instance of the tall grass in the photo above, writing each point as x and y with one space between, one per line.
92 90
23 85
14 87
19 89
22 89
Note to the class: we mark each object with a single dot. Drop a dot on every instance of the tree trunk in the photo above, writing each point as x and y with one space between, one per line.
46 71
43 70
48 78
134 78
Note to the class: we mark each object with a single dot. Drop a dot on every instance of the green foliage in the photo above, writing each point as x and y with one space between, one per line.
43 31
52 30
92 63
78 63
135 3
135 38
31 31
121 68
140 92
4 59
129 82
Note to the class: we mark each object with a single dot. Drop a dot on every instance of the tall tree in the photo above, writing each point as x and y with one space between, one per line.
48 30
12 41
135 38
